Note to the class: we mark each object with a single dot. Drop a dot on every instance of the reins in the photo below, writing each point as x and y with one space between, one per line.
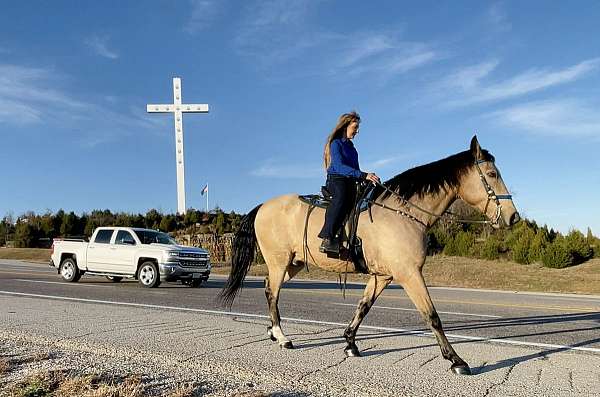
491 196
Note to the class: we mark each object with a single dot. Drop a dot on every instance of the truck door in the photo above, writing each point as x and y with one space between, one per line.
123 253
99 252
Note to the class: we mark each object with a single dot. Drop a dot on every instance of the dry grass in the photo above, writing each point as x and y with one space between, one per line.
452 271
26 254
504 275
58 384
5 365
251 394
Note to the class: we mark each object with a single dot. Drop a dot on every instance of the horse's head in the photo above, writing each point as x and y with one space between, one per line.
483 188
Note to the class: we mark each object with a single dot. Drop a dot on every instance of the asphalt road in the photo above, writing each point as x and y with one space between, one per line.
542 321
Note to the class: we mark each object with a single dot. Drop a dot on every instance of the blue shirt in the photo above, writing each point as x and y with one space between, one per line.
344 159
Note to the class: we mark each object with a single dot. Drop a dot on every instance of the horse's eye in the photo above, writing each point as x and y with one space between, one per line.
492 174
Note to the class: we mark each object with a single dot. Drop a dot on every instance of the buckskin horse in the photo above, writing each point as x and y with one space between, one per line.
394 238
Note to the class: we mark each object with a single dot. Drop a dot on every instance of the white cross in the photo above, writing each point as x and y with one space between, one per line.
178 109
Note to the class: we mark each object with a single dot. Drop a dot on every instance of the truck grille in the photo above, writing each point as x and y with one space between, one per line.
192 255
194 264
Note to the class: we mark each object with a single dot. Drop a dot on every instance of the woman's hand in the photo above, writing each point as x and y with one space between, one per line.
372 177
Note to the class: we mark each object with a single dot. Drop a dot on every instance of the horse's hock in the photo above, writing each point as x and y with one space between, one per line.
219 246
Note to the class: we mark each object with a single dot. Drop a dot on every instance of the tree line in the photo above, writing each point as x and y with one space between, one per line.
525 243
34 231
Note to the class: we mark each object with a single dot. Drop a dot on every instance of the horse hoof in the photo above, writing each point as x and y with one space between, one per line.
461 369
270 333
352 352
286 345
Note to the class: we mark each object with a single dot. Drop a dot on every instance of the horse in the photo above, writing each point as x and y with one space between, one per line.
394 238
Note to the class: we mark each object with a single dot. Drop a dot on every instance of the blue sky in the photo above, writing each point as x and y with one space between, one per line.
75 78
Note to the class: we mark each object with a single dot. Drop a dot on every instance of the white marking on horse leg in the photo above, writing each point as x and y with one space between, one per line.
279 335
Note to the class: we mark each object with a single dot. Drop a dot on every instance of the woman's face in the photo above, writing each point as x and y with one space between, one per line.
352 129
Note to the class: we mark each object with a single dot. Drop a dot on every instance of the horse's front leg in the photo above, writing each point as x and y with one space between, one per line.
375 286
417 291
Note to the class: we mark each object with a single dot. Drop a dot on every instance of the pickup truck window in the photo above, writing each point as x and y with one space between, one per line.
150 236
124 238
103 236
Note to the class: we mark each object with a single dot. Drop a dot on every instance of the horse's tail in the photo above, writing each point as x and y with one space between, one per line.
243 250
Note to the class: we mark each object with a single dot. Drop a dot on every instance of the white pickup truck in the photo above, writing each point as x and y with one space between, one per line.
123 252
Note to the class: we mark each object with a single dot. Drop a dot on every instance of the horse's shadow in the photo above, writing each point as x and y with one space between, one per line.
311 342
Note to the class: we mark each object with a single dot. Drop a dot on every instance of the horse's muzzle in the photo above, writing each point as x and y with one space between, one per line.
514 219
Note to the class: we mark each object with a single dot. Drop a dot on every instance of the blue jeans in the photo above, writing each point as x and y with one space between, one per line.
343 190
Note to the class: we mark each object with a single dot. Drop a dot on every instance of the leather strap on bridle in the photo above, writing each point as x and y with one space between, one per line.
491 196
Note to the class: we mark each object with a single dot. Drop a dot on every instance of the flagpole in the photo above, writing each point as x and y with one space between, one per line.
207 193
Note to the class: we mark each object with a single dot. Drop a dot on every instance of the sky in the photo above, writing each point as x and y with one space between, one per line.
75 78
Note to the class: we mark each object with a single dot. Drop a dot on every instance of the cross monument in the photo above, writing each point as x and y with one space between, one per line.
178 109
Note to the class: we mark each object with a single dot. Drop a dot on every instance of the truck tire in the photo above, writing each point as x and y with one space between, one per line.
69 270
114 279
148 275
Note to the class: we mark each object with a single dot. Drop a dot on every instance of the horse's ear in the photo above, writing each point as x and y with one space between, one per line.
475 148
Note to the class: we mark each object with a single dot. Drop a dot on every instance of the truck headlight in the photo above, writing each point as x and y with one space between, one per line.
173 253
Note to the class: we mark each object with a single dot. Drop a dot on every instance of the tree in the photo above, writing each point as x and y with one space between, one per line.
69 225
220 222
168 223
24 235
153 219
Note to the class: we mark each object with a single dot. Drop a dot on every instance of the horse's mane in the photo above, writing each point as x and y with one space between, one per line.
432 177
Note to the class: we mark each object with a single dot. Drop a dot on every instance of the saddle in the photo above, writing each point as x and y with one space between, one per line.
351 244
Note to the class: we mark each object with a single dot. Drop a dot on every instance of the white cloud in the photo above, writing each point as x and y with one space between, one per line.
366 47
497 19
468 86
35 96
203 14
274 169
558 117
383 163
279 36
99 44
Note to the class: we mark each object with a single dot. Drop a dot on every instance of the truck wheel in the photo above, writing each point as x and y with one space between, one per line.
69 270
148 275
114 279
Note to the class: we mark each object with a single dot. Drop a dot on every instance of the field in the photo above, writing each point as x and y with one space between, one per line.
447 271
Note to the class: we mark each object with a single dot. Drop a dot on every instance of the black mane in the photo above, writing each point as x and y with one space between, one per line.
432 177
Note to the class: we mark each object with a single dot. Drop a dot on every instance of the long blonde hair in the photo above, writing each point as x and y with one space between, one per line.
338 132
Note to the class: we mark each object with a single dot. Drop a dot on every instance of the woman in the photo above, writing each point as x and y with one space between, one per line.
343 173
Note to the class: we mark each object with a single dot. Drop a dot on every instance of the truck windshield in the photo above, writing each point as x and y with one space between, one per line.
150 236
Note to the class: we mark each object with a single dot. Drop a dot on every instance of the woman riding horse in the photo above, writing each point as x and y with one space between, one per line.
394 238
343 173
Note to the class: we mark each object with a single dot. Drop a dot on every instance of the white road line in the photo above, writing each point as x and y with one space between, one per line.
314 322
63 283
25 269
415 310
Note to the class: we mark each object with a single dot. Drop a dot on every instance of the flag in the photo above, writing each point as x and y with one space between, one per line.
204 190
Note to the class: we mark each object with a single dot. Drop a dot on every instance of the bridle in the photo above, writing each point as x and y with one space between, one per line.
491 196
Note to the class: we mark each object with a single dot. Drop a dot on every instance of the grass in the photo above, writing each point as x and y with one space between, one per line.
5 365
447 271
64 384
26 254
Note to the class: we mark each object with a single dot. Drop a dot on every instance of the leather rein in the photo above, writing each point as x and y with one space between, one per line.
491 196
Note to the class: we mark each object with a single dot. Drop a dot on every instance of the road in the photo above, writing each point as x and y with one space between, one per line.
517 328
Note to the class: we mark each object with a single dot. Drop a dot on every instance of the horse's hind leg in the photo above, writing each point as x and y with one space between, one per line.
374 288
417 291
273 282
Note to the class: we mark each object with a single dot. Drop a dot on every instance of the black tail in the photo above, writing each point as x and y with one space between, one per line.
242 255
